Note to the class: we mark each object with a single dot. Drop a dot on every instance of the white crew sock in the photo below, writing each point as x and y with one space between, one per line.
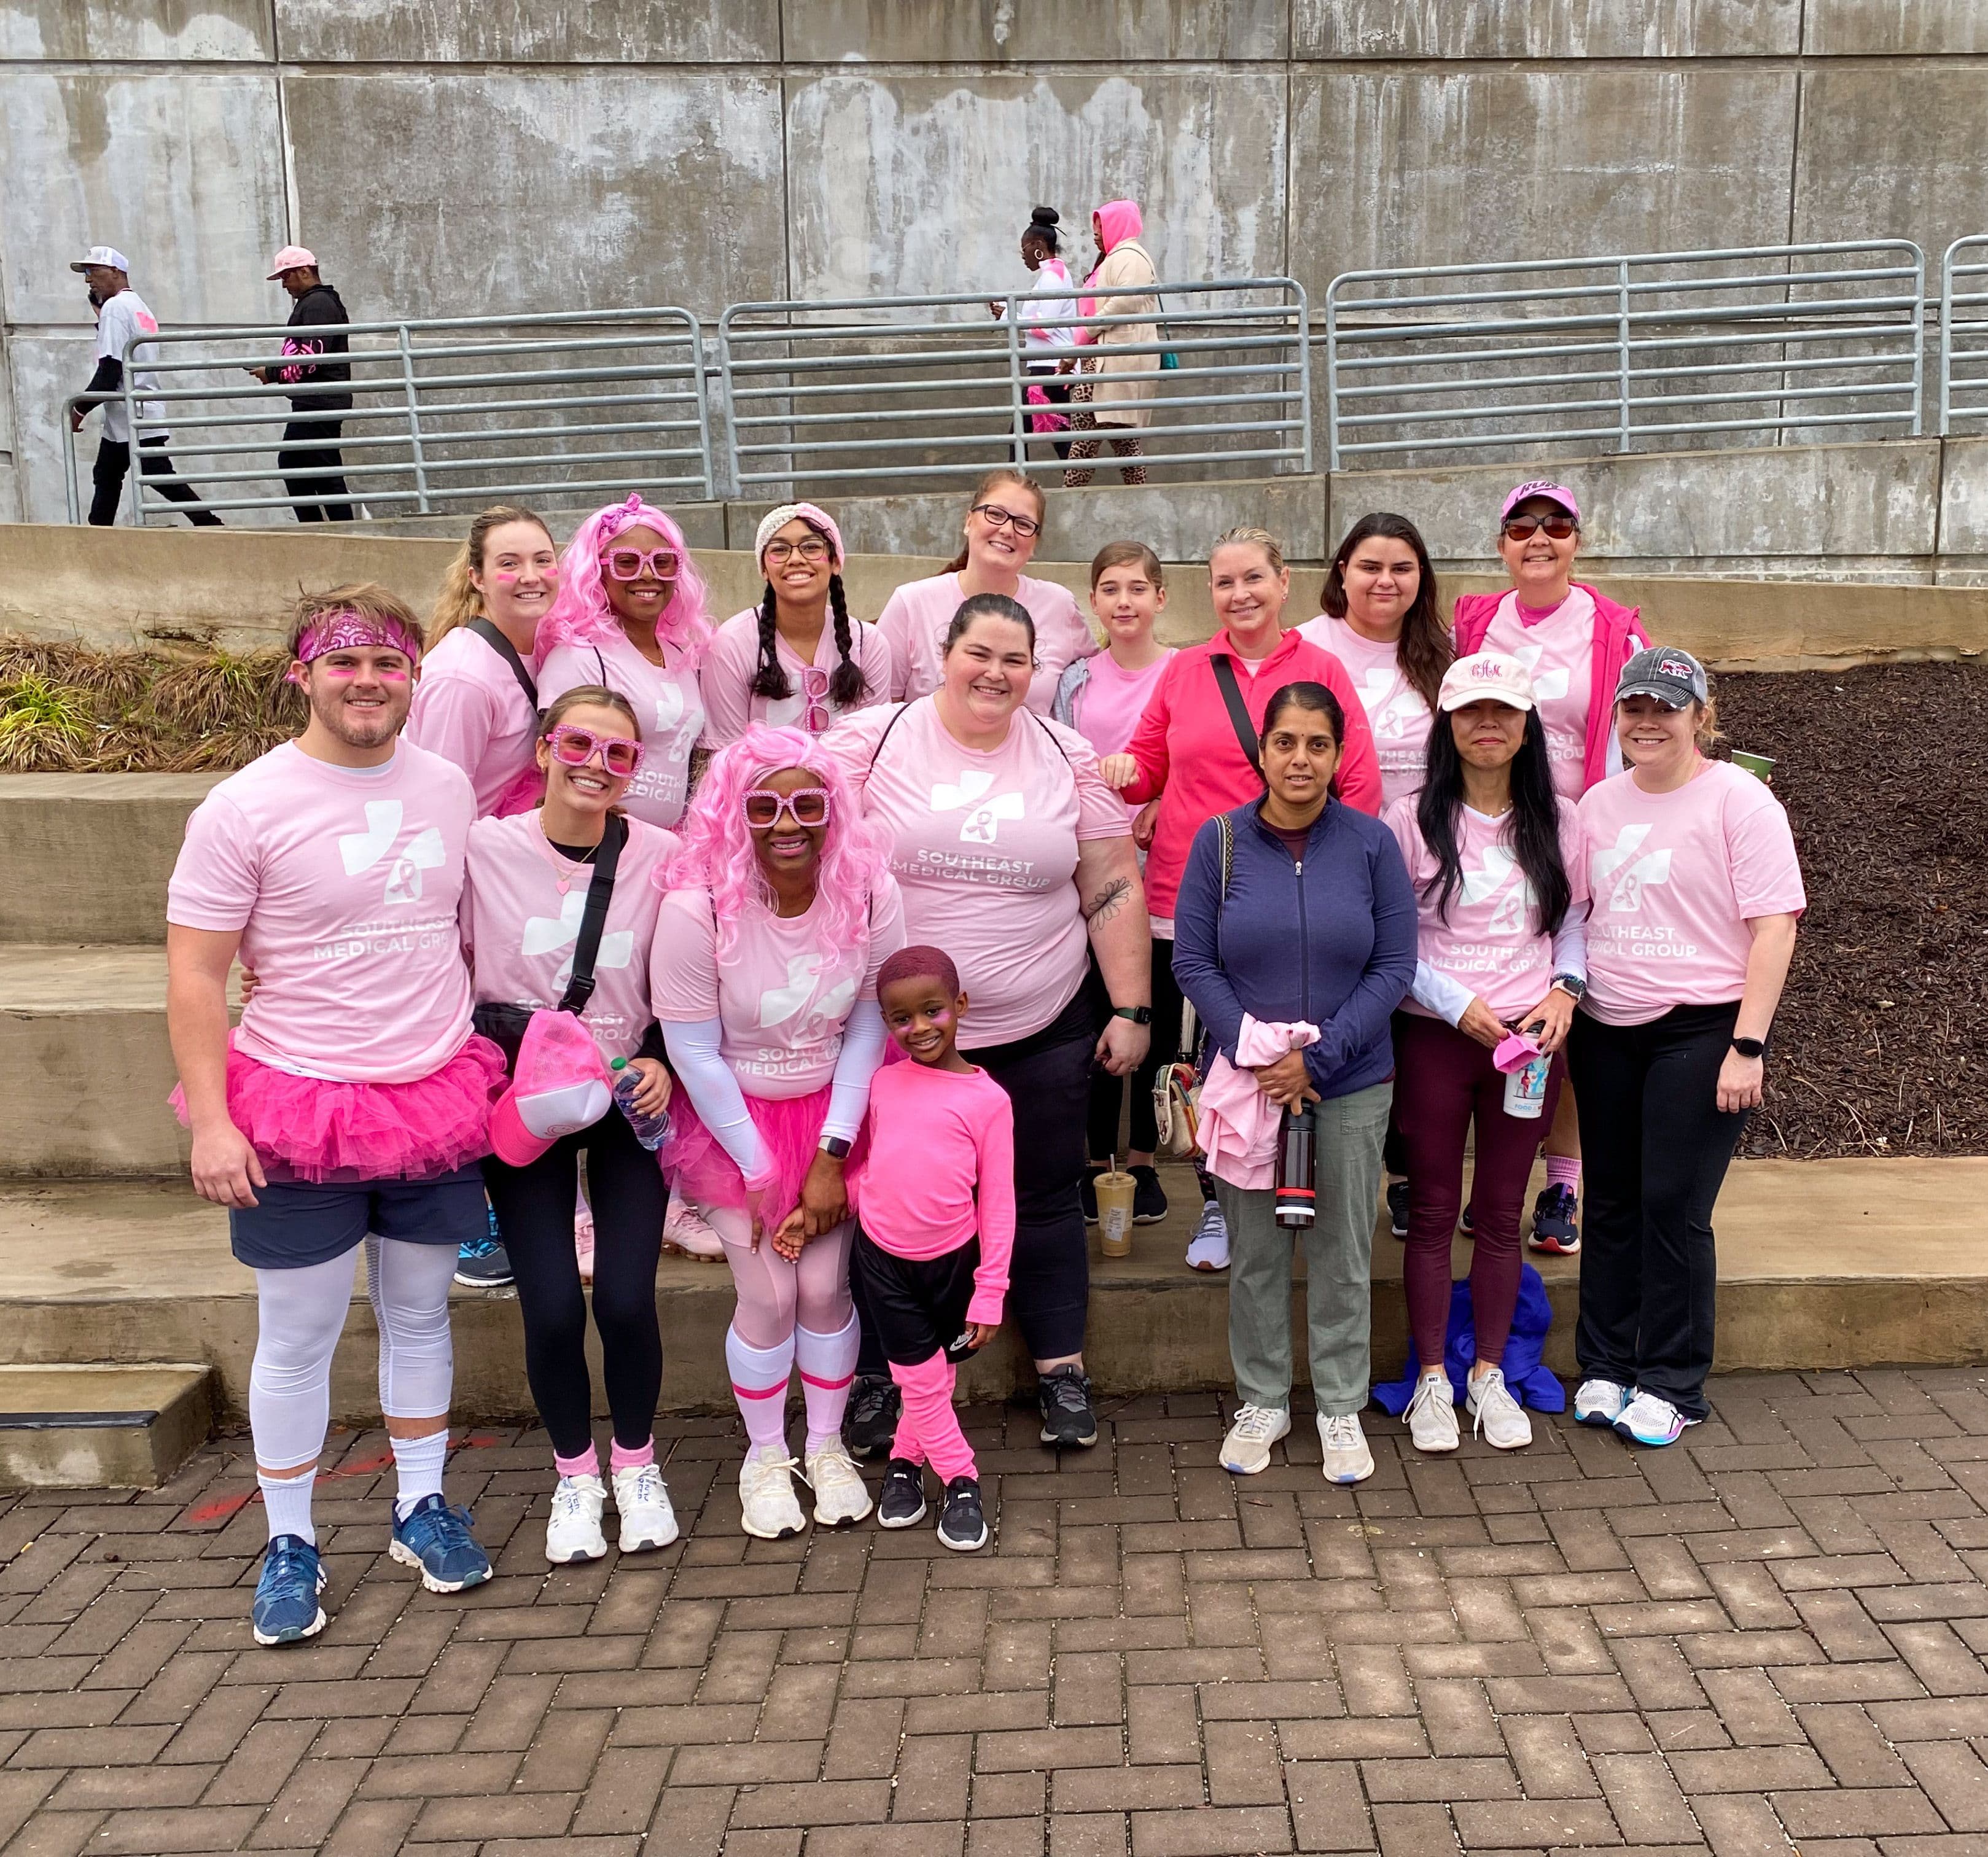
419 1461
288 1499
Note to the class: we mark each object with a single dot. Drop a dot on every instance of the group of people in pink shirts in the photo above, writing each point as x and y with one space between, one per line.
576 925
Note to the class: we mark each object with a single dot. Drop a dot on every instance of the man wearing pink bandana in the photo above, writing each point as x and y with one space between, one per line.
349 1107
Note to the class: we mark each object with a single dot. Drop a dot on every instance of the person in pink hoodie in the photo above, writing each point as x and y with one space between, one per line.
1572 642
1114 390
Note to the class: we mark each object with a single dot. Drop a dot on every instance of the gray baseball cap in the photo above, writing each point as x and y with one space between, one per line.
1674 678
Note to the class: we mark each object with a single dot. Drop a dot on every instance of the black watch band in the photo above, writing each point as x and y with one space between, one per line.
836 1148
1139 1015
1750 1047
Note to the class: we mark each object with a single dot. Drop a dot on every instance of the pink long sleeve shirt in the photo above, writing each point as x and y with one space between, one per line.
942 1167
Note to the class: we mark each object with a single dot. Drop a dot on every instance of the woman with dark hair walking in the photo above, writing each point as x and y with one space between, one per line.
1044 346
1500 903
796 660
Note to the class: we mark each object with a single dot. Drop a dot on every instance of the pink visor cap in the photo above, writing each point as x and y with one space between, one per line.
291 257
1489 676
559 1087
1538 486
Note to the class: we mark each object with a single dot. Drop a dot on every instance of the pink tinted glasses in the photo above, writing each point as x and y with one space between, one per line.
807 806
632 563
573 746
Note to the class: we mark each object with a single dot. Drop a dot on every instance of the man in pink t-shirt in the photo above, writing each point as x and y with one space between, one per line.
352 1105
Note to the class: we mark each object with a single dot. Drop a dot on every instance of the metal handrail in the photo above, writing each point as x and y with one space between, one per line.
1397 337
431 429
795 376
1963 331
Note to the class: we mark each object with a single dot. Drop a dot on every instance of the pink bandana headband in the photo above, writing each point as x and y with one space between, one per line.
350 631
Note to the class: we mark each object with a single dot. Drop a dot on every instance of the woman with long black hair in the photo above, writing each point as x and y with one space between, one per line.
1500 900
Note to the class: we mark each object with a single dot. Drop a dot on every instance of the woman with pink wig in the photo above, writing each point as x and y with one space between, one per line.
629 615
780 910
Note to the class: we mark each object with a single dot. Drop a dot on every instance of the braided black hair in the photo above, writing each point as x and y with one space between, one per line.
769 680
845 687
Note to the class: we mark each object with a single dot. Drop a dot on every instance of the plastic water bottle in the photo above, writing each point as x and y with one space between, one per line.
651 1130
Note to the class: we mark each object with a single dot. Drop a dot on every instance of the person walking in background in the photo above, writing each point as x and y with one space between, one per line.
1114 393
1696 892
1044 347
1295 938
1501 900
122 317
310 462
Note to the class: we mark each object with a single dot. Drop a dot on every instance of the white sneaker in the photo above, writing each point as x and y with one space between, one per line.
767 1506
1208 1250
643 1502
1246 1449
583 1242
1497 1416
1599 1402
573 1532
1648 1419
686 1229
1347 1459
840 1495
1431 1415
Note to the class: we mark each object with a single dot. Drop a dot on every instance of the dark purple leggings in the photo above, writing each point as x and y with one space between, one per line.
1441 1079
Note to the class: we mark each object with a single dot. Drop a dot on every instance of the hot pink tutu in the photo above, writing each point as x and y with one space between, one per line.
697 1165
314 1129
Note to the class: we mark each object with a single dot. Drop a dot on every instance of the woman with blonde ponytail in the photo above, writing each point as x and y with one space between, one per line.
477 704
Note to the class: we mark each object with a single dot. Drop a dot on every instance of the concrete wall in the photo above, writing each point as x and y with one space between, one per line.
514 155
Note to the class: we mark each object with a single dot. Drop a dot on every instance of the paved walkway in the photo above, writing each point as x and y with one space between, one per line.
1766 1639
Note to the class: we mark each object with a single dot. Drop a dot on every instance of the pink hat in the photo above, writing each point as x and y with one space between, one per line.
1489 674
291 257
559 1086
1538 486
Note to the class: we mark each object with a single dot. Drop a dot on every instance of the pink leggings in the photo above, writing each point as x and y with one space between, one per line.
928 1431
1442 1081
776 1296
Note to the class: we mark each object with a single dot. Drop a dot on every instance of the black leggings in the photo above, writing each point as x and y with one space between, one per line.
534 1206
1108 1093
1655 1151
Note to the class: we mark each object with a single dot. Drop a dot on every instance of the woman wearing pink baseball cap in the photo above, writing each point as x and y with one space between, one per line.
796 660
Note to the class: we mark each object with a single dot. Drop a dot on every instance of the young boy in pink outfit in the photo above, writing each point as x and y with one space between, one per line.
937 1226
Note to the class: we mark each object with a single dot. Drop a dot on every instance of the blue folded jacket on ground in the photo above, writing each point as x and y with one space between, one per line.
1532 1382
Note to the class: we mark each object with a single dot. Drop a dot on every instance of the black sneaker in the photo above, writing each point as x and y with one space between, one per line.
1149 1200
962 1523
483 1264
1087 1192
871 1421
1063 1393
901 1503
1397 1209
1554 1230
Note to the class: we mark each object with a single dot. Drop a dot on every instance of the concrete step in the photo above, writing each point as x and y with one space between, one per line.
1823 1264
99 1427
91 854
85 1064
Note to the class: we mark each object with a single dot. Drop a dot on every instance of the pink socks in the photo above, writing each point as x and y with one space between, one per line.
929 1431
1563 1170
759 1383
827 1363
587 1464
620 1457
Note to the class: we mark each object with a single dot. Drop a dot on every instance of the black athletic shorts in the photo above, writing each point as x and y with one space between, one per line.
297 1223
918 1305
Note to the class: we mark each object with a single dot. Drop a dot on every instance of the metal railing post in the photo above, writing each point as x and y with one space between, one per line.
134 476
1946 335
1622 355
1332 460
1304 378
69 463
413 422
1016 400
1919 342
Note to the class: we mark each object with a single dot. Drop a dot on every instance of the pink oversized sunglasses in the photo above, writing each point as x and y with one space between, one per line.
632 563
573 746
807 806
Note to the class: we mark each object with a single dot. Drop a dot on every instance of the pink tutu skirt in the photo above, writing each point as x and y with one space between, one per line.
697 1166
1042 424
316 1129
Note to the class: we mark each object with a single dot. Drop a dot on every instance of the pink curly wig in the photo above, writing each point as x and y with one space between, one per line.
716 853
580 613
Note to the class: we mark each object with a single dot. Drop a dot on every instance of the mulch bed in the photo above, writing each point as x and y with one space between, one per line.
1879 1047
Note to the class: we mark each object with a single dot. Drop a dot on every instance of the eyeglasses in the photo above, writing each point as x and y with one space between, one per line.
807 806
817 715
1559 525
996 517
632 563
810 548
573 746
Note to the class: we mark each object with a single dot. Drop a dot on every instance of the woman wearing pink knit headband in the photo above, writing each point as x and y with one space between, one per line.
796 660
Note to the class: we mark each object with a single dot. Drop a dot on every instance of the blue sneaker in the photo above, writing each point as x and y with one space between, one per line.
483 1264
436 1538
286 1609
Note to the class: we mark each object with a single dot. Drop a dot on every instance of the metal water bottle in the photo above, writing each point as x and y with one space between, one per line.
1297 1140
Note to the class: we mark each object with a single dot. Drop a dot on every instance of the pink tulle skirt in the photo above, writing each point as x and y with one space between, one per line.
1042 424
315 1129
697 1165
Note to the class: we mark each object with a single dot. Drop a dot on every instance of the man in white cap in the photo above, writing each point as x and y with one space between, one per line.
121 317
310 461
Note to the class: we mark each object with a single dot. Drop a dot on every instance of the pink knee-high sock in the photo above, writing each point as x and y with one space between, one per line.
827 1363
759 1383
1564 1170
930 1418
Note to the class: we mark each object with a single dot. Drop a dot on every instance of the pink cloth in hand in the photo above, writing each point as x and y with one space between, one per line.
1238 1123
1516 1049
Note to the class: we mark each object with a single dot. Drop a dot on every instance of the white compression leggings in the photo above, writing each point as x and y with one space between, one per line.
776 1296
300 1315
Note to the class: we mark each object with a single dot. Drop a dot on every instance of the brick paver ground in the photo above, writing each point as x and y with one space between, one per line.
1767 1639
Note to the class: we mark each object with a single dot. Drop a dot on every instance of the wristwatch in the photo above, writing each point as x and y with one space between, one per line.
1572 985
1750 1047
836 1148
1139 1015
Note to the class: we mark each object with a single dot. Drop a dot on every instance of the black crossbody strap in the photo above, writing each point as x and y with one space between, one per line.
1238 714
505 649
600 894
